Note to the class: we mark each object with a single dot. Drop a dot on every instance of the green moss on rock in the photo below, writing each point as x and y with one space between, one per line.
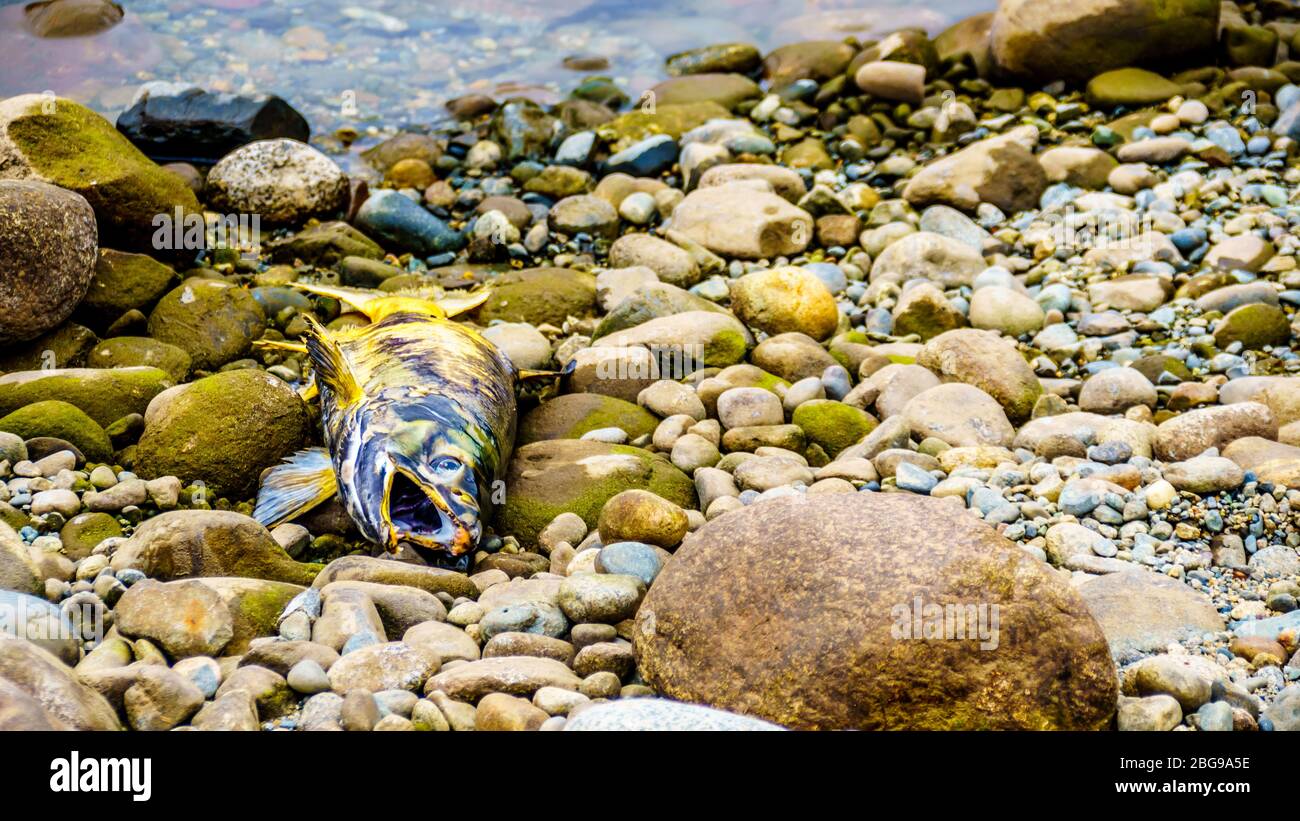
64 347
571 415
77 149
86 530
548 478
224 430
673 120
213 321
123 281
1254 326
141 351
538 296
61 421
104 395
833 425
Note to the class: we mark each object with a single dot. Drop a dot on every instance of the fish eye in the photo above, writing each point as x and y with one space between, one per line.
446 464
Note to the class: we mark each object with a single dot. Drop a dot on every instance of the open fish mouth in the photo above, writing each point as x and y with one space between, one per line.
419 515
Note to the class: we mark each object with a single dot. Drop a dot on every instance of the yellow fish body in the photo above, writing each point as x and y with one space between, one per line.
418 413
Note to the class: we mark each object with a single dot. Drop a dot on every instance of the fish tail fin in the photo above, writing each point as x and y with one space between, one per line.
331 369
358 299
378 304
300 483
456 305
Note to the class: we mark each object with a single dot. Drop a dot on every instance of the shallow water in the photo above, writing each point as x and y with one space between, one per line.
385 64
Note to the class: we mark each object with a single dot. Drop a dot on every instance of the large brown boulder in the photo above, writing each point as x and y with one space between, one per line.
801 611
66 703
191 543
1049 39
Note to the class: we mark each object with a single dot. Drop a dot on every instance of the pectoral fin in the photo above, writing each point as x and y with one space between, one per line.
302 482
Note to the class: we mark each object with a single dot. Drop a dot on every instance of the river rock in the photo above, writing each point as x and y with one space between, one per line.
1193 432
123 186
49 237
997 170
178 123
1047 40
281 180
988 362
223 430
948 262
66 702
1143 612
214 322
697 639
556 476
785 300
185 543
737 220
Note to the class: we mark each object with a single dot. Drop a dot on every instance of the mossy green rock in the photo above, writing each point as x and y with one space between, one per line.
673 120
123 281
573 414
255 606
61 421
213 321
86 530
539 295
223 430
688 341
1130 87
1153 365
193 543
556 476
67 346
72 147
105 395
740 58
386 571
727 90
1254 326
141 351
324 245
833 425
774 593
649 302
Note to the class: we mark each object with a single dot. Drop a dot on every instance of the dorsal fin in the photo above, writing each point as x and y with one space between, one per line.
331 369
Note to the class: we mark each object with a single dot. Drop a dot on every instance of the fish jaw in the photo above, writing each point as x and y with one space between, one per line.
421 513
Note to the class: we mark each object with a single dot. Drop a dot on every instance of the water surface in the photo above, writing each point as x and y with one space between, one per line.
387 64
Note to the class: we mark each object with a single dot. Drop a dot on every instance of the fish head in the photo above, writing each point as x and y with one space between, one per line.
430 492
